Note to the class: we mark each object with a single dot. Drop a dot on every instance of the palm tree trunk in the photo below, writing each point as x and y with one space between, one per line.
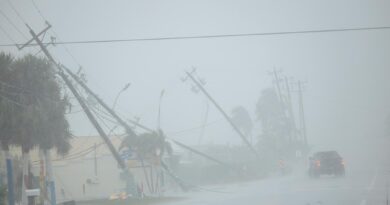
25 158
160 176
10 178
42 180
50 180
145 174
151 178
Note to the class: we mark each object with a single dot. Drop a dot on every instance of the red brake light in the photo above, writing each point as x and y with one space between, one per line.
318 163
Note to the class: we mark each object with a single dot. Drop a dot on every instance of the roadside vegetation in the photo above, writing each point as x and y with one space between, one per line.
32 111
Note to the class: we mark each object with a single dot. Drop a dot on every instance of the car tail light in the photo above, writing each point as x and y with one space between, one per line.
318 163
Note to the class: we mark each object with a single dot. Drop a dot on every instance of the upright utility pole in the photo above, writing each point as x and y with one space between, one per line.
223 113
80 100
277 79
302 113
283 105
290 109
159 110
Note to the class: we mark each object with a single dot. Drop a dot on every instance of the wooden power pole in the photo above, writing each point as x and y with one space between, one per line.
302 113
243 137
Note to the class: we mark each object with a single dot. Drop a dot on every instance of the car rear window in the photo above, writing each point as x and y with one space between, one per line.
328 154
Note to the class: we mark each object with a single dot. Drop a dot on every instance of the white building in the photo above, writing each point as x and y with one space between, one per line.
89 171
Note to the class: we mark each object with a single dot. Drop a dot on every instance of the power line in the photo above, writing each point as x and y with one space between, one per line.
8 35
75 112
103 115
100 115
55 34
12 24
37 9
204 125
211 36
16 11
101 118
67 50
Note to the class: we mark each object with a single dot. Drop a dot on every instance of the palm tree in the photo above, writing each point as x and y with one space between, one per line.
7 107
150 146
41 122
32 110
275 126
269 112
7 119
242 119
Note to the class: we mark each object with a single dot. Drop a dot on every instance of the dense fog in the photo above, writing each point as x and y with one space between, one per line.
294 78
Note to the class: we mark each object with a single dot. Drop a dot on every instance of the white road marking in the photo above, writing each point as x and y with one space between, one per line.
371 186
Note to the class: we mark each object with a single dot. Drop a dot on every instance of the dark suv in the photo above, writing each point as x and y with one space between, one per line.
328 162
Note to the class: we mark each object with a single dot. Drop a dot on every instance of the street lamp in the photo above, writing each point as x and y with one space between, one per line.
119 93
159 110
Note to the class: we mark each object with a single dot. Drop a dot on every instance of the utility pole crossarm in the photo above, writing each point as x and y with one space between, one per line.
302 113
37 35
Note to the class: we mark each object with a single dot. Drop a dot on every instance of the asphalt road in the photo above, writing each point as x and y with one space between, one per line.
367 175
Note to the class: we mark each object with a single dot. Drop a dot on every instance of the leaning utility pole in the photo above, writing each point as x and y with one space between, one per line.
124 123
131 132
302 113
80 100
129 129
223 113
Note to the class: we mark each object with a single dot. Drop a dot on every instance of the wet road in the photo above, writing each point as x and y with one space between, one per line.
367 174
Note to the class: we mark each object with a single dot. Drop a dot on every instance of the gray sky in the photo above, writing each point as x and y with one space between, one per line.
347 92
